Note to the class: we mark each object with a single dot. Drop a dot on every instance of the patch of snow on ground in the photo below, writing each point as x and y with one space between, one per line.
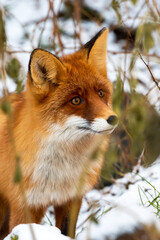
36 231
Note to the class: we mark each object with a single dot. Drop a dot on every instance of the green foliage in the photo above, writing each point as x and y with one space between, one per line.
14 237
118 94
144 36
13 69
49 221
18 172
6 107
152 197
133 61
26 35
115 4
134 1
94 219
143 125
138 132
2 33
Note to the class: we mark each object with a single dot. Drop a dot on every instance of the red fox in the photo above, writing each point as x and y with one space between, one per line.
62 117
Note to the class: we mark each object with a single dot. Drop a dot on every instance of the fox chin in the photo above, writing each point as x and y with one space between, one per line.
58 123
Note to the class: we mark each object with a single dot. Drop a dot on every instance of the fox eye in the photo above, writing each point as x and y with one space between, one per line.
76 100
101 93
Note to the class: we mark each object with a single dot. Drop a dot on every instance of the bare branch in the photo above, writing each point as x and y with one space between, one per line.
149 69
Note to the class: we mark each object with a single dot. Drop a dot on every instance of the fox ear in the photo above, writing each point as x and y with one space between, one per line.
96 51
45 70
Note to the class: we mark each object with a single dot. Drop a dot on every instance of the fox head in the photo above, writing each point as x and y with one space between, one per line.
72 94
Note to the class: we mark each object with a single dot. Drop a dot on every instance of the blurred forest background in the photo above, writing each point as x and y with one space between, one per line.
133 62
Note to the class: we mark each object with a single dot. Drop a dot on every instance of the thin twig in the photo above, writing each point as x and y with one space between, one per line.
43 28
77 16
149 69
56 32
17 51
131 52
155 6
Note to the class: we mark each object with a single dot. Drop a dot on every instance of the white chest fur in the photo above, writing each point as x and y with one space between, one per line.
58 169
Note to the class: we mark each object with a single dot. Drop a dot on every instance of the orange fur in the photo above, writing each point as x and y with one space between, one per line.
54 138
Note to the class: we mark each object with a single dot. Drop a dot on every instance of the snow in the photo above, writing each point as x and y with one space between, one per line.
36 231
125 209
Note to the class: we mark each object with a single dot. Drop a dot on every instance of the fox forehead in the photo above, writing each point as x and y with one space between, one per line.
81 79
83 85
81 74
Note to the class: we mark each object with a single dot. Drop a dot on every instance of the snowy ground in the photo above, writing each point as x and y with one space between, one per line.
120 205
36 232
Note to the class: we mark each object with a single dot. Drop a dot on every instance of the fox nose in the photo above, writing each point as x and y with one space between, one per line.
112 120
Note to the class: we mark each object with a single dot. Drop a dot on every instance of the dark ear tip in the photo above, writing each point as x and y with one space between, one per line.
42 50
31 56
102 30
90 44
